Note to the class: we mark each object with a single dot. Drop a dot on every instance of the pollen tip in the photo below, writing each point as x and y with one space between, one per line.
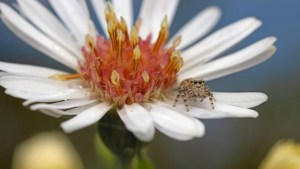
177 41
63 77
56 76
165 23
108 7
111 25
136 53
176 54
138 23
120 35
145 76
134 36
115 78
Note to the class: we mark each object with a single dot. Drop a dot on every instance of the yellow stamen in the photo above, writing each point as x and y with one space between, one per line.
145 76
109 11
176 42
120 40
176 62
115 78
134 36
123 27
163 35
138 24
64 77
89 40
112 33
136 56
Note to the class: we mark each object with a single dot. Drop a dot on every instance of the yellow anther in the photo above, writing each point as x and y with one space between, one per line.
111 26
120 36
176 42
176 58
138 24
64 77
136 53
165 23
176 62
123 26
176 54
134 36
112 32
145 76
120 39
115 78
163 35
90 42
108 9
136 56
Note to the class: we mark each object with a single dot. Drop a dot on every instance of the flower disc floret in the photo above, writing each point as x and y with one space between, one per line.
125 68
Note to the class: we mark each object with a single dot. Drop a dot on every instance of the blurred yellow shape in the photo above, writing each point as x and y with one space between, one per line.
283 155
46 151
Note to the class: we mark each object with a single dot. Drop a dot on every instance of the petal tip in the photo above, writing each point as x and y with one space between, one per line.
215 9
273 38
66 128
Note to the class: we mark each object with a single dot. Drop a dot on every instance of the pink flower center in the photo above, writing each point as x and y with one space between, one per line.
125 68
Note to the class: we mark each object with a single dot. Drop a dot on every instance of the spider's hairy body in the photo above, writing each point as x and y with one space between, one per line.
192 88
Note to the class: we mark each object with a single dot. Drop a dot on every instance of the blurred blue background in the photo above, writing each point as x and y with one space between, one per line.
228 143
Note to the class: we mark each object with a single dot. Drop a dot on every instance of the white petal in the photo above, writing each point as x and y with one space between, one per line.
50 113
200 128
219 42
73 15
203 110
198 26
84 7
41 17
124 8
31 84
73 111
99 6
242 66
61 95
138 120
22 94
246 100
152 13
223 111
174 124
4 74
68 104
86 118
146 16
243 59
78 110
27 70
35 38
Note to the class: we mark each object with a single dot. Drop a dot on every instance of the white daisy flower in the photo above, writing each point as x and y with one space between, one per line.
133 68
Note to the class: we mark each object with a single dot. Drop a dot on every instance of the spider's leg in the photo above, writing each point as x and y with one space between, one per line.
211 100
176 99
184 96
202 99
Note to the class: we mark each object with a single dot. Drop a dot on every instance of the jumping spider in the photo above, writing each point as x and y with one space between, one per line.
192 88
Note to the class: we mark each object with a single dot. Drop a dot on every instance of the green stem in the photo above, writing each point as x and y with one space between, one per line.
124 163
119 147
